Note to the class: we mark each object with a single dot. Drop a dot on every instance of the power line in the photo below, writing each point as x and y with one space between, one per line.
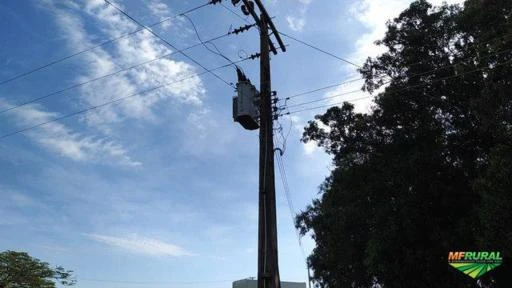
400 89
326 106
324 98
86 110
33 70
218 52
234 13
167 42
108 75
383 75
501 38
286 188
285 138
384 83
359 66
323 88
320 50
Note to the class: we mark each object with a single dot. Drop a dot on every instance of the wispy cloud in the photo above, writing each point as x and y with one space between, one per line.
372 14
297 21
138 48
142 245
71 17
161 10
59 138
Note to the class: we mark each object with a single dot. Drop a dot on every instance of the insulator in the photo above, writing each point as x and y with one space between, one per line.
242 29
247 10
255 55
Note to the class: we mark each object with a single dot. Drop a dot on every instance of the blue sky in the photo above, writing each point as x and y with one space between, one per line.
159 190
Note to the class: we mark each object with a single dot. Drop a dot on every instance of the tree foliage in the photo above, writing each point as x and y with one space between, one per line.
429 170
19 270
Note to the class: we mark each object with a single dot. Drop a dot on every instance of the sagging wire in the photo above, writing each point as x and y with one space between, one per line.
215 49
286 188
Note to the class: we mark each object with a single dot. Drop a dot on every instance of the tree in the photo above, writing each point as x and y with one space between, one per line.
19 270
420 175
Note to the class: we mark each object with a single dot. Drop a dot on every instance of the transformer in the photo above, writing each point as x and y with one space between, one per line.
246 103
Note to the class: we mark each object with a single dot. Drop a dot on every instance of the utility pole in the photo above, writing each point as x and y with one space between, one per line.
268 268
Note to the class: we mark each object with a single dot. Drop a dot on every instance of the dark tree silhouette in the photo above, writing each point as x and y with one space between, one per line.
19 270
429 170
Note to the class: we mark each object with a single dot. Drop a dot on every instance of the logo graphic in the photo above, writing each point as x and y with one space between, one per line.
474 264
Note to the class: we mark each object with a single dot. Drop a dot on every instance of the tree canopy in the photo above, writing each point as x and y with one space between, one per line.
429 170
20 270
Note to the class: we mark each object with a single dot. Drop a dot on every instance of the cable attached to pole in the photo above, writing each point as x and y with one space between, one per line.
91 108
77 85
167 42
36 69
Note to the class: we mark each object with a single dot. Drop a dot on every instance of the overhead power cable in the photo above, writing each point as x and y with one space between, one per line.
91 108
217 52
286 188
234 13
167 42
109 74
383 75
327 105
320 50
401 89
384 83
324 98
323 88
501 38
112 40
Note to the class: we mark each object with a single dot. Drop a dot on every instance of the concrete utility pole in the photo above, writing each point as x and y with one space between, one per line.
268 268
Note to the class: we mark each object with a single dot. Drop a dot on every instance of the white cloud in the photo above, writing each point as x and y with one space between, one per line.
138 48
296 23
373 14
310 147
59 138
351 92
142 245
158 8
298 124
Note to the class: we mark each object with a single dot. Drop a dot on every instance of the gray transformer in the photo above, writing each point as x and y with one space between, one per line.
245 105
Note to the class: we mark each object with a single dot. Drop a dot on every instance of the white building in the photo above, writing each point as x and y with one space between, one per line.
253 283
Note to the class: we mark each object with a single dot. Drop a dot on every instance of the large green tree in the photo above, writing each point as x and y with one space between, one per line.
428 171
19 270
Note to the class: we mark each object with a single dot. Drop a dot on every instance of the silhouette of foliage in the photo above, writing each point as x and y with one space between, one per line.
429 170
19 270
